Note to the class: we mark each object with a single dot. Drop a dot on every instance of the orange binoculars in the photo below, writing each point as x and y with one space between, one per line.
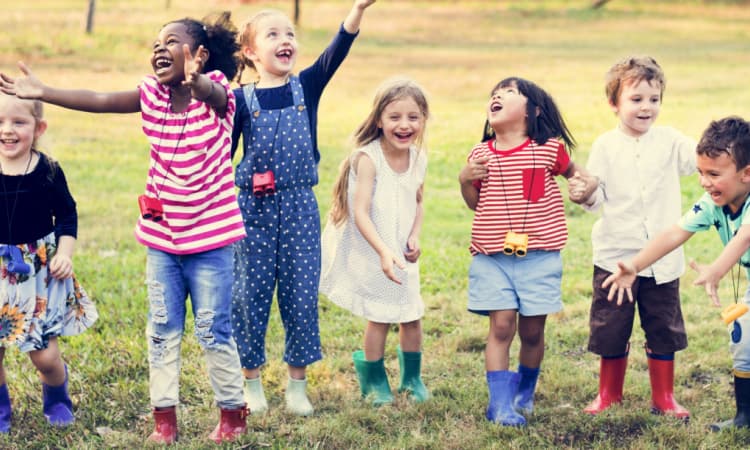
516 244
733 312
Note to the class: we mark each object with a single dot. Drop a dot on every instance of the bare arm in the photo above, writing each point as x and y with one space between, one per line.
622 280
61 265
581 184
413 251
710 275
29 86
201 86
475 169
354 18
362 202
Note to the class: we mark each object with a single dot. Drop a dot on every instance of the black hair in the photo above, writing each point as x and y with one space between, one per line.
218 35
730 135
543 120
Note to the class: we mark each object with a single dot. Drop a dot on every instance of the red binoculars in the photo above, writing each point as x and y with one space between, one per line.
263 183
151 208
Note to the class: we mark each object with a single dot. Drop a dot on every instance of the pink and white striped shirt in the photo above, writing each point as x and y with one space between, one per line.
190 172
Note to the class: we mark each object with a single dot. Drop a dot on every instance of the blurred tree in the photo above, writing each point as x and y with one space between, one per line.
599 3
90 17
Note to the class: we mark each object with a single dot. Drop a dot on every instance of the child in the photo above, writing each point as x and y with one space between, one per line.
277 118
40 298
639 166
724 168
371 249
518 232
190 215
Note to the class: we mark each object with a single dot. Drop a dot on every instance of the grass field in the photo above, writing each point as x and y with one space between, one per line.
457 51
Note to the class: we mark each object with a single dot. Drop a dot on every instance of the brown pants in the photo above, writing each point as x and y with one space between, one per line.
658 308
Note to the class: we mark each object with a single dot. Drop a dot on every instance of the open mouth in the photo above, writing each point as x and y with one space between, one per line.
403 136
495 107
9 141
162 64
284 54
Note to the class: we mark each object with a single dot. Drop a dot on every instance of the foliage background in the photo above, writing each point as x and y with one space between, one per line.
457 51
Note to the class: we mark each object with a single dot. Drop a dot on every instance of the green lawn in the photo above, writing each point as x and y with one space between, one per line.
457 51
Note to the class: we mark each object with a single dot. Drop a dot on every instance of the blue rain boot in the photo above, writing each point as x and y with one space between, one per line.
411 378
503 385
523 402
5 409
373 380
57 406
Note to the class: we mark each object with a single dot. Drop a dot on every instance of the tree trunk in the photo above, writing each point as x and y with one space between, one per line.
90 17
296 12
599 4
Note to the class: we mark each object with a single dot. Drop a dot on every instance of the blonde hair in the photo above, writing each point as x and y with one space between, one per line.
391 90
248 33
633 70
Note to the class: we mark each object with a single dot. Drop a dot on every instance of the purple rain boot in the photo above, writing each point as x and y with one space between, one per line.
57 406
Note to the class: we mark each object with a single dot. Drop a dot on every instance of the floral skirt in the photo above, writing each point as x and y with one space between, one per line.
34 306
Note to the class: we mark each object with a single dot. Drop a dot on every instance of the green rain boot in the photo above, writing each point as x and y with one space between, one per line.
373 381
411 379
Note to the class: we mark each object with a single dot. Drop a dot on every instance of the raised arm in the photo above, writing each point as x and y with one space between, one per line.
354 18
622 280
29 86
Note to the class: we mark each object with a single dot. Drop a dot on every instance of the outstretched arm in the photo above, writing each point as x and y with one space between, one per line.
354 18
581 184
474 170
710 275
30 87
622 280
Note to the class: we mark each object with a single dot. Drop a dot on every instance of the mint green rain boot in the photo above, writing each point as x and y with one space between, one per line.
373 381
296 398
255 397
411 378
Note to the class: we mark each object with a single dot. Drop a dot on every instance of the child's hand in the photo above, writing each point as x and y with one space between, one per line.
412 250
476 169
581 187
620 281
387 261
61 267
708 279
27 86
193 65
363 4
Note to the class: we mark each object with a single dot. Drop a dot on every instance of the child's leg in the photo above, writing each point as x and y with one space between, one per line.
502 331
5 407
410 361
209 280
531 333
57 406
370 366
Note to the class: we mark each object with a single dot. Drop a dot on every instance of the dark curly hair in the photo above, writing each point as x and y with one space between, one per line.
218 35
730 135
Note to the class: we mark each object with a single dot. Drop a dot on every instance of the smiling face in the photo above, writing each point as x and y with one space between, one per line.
726 184
506 109
638 106
273 50
167 58
19 128
401 123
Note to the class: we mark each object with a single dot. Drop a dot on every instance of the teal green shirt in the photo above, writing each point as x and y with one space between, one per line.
706 214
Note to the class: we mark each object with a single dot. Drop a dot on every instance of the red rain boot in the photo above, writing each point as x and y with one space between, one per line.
165 425
661 372
611 379
231 425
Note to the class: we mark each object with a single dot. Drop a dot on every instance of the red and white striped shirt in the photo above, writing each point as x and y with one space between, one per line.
190 172
520 194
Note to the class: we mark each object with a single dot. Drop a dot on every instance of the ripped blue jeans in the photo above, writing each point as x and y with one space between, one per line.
207 278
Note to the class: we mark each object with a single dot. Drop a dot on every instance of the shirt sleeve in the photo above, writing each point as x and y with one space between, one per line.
685 151
63 206
700 216
315 78
562 161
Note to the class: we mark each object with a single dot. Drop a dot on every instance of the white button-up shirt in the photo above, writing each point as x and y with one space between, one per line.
639 195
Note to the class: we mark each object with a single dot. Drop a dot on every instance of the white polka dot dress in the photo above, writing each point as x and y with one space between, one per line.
351 274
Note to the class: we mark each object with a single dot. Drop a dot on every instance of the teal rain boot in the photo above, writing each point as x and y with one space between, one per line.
503 385
373 381
523 402
411 379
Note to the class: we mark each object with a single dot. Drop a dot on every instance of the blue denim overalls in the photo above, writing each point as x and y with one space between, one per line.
283 235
